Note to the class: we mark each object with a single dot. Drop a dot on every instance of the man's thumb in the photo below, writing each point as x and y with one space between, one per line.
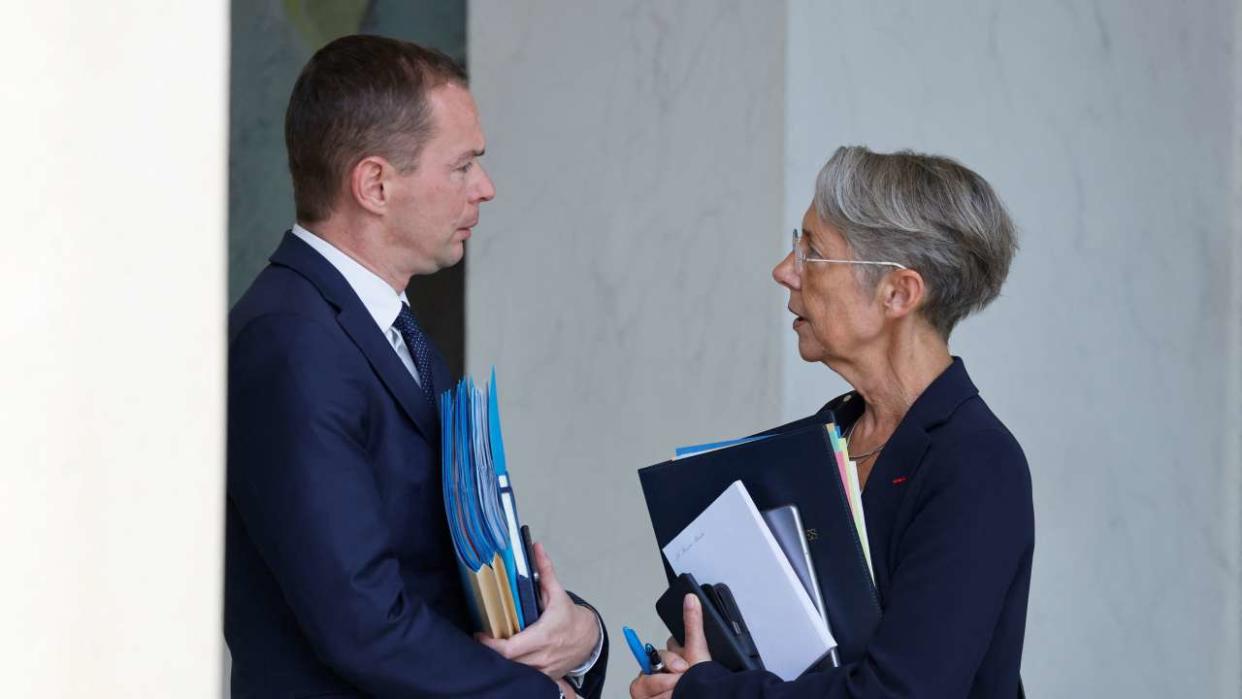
547 573
696 642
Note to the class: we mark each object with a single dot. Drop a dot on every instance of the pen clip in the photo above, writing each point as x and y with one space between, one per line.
653 657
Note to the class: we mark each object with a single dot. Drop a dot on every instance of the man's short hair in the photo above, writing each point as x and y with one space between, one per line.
359 96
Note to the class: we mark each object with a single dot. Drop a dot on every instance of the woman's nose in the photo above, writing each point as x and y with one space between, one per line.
785 274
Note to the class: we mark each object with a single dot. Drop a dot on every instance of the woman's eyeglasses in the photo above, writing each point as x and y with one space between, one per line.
801 257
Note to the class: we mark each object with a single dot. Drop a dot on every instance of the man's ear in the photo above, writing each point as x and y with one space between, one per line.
902 292
366 183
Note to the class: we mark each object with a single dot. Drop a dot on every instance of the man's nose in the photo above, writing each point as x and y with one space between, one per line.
484 189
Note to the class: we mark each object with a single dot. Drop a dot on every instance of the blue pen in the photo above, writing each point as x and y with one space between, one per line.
647 656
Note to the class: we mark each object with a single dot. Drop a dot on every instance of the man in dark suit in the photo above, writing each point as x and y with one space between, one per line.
341 579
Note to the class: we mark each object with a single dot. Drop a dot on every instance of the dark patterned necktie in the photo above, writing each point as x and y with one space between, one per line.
420 349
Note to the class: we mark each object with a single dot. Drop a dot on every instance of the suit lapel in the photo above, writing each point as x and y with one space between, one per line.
361 328
439 369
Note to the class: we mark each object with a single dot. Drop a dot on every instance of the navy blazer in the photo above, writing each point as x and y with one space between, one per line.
340 576
952 530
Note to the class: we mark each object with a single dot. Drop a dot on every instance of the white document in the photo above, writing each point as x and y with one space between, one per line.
730 543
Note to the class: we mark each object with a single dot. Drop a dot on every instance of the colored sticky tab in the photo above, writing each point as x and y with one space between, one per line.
838 451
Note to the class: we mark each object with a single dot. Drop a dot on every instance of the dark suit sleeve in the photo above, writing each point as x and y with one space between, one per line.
956 563
300 479
593 681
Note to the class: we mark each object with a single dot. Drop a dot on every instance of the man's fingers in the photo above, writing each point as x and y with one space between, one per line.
696 642
519 646
499 645
547 575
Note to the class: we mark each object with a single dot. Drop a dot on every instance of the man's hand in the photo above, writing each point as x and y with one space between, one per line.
564 636
676 659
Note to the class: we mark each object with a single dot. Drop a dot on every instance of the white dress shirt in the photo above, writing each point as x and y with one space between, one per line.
381 301
384 303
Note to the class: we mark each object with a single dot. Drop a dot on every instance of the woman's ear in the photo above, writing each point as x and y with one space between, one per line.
902 292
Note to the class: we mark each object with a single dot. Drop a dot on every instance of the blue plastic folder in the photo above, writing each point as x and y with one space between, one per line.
682 452
496 570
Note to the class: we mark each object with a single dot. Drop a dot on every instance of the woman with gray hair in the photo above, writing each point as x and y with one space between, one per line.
894 251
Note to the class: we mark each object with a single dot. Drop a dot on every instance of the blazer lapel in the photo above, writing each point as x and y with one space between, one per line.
360 326
902 455
892 471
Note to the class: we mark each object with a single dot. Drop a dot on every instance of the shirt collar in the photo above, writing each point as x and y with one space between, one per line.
379 299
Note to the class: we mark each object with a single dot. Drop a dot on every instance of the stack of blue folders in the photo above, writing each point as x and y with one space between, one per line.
492 555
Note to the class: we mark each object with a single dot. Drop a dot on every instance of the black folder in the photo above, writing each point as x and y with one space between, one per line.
790 468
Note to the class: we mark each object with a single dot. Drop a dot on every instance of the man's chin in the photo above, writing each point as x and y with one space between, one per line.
452 256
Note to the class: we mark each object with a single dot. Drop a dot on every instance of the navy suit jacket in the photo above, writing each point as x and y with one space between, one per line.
952 530
340 576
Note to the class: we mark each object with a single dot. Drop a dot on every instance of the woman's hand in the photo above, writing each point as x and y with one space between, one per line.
564 636
677 659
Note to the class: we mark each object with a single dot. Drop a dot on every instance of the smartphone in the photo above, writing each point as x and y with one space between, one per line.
728 640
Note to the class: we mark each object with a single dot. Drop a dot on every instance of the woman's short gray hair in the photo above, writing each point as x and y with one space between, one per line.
929 213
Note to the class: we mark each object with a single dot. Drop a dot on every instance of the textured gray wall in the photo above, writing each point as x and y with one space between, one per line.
1109 129
648 158
620 280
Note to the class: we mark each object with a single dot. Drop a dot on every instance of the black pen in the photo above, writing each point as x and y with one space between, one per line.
653 657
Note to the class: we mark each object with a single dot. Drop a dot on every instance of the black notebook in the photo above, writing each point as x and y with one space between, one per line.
799 468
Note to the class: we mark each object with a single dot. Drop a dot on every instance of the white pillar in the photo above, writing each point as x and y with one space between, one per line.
112 294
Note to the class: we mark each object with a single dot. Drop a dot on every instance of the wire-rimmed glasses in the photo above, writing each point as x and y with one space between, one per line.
801 257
